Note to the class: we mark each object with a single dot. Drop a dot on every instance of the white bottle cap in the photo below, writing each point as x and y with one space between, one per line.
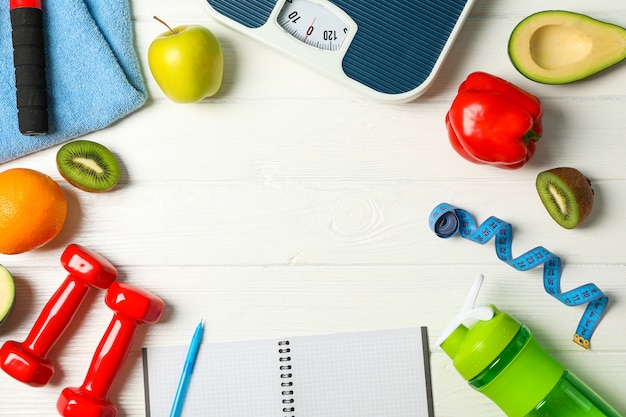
468 311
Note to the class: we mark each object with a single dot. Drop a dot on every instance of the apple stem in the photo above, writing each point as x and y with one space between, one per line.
166 25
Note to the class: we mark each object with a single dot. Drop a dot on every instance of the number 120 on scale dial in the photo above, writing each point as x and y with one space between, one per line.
314 24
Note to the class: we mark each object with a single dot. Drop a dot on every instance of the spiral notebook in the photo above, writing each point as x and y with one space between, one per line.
357 374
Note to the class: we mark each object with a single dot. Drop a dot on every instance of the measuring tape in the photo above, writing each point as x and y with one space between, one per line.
446 221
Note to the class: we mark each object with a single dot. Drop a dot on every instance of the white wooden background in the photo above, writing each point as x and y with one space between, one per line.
290 205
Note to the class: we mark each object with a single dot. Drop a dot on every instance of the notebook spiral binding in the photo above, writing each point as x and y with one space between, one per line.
285 376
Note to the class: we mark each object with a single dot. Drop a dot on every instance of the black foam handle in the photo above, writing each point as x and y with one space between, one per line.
30 70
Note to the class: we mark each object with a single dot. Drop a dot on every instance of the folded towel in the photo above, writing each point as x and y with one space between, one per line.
93 72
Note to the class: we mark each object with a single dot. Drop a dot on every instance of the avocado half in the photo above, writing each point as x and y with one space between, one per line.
7 293
559 47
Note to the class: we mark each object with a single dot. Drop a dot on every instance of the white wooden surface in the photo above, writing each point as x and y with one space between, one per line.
290 205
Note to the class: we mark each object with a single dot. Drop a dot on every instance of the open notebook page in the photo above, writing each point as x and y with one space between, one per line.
356 374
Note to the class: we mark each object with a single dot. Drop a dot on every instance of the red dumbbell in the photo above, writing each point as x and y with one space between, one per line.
132 307
27 361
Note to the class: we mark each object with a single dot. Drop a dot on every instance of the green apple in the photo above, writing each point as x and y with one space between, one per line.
187 63
7 293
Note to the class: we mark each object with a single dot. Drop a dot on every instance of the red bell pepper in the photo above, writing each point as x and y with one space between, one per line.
494 122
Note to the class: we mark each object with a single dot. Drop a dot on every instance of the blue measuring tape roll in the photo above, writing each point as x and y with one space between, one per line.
448 221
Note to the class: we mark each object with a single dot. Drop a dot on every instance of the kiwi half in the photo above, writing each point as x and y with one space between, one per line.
88 165
567 195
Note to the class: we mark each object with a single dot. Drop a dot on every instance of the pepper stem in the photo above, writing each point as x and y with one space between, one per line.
530 136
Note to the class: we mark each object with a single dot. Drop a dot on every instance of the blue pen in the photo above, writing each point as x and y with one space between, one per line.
183 384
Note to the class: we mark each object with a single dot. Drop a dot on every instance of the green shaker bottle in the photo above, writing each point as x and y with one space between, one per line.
500 358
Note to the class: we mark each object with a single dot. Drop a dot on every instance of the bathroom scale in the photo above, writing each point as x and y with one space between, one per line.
389 50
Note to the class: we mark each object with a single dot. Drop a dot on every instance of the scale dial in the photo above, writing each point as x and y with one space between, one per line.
314 24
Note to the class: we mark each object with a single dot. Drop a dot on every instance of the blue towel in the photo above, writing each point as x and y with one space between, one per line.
93 72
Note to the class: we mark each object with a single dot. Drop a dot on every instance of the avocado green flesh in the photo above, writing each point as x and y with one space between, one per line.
559 47
7 293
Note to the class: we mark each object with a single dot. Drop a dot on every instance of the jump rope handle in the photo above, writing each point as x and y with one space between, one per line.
30 66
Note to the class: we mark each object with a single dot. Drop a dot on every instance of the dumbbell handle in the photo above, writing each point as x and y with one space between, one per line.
109 356
55 316
30 66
